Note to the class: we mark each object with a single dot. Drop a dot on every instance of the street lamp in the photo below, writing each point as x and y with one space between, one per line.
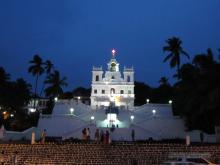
148 100
154 112
32 110
71 110
132 117
92 117
56 99
170 101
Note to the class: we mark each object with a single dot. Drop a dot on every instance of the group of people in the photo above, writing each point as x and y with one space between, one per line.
103 137
100 136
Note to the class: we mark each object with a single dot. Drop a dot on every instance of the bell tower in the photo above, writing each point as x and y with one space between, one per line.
112 86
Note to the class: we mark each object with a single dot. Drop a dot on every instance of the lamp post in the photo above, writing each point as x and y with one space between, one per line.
56 99
154 112
132 118
71 111
92 119
148 100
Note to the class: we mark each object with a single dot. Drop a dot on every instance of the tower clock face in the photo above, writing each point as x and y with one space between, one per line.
113 66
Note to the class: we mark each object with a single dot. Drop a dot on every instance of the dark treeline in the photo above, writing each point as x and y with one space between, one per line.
195 93
16 95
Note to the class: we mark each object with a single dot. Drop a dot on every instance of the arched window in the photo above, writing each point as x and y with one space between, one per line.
122 91
128 79
112 91
96 78
113 77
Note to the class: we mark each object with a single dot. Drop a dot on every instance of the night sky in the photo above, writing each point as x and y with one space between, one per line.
77 34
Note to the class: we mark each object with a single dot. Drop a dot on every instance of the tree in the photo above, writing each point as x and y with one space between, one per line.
36 69
48 67
163 81
4 77
204 61
175 51
142 92
55 83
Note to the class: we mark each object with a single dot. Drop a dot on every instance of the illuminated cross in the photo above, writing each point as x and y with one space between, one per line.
113 52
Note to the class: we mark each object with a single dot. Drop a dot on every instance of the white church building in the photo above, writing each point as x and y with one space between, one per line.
112 86
112 105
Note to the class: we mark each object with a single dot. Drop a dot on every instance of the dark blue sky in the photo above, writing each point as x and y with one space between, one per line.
77 34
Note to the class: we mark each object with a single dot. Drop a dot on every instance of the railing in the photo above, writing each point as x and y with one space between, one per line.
97 68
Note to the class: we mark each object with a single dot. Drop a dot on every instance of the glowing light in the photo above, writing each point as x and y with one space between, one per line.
148 100
32 110
92 117
132 117
4 113
78 97
71 110
55 99
12 115
113 52
154 111
170 101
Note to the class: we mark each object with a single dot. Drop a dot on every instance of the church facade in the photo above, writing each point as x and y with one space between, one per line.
112 86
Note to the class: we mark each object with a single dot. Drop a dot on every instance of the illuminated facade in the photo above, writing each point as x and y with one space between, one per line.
112 86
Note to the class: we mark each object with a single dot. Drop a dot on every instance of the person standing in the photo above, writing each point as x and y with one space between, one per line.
43 136
201 137
133 134
102 136
107 137
87 134
84 134
97 135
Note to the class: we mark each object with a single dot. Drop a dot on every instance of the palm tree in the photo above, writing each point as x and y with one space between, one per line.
4 77
36 69
48 67
55 83
175 50
204 61
163 81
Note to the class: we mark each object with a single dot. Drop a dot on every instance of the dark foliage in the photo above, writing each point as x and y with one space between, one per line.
197 93
142 92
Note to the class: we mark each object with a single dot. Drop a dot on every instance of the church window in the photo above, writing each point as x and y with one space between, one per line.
103 91
128 79
95 91
113 77
96 78
112 91
122 91
129 91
